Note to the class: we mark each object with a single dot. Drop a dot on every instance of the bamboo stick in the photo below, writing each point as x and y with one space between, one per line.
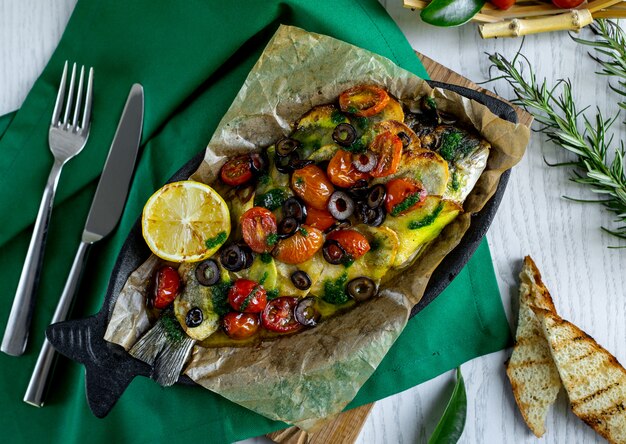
572 21
613 14
597 5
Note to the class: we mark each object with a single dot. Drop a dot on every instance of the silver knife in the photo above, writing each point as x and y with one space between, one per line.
105 212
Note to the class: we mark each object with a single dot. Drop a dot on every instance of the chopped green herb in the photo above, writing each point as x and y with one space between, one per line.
426 220
299 181
455 182
374 244
172 328
219 297
217 240
249 298
450 144
264 179
335 291
407 203
352 109
263 278
337 117
272 294
266 258
359 146
347 261
304 232
430 102
271 240
361 122
271 200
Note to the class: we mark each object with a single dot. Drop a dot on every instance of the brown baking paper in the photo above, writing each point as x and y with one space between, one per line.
305 378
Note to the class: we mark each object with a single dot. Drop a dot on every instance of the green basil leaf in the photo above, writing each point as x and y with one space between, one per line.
450 12
452 423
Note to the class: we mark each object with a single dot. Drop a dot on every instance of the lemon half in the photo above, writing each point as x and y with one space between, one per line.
185 221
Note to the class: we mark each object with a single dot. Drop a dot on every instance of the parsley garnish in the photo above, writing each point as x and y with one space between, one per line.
171 326
304 232
217 240
266 258
272 294
337 117
450 144
407 203
335 291
271 239
271 200
219 297
426 220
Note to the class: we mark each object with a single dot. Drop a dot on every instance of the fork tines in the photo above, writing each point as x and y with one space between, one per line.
75 124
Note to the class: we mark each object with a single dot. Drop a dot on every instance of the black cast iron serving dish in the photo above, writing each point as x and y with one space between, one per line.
109 368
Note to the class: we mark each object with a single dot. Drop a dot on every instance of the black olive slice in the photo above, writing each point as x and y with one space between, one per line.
233 257
293 207
338 226
297 164
288 227
404 137
286 146
258 163
301 280
364 162
340 205
376 196
283 163
194 317
245 193
344 134
248 256
306 313
333 252
208 272
361 288
379 217
370 216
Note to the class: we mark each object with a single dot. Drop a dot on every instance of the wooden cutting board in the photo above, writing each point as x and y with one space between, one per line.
347 426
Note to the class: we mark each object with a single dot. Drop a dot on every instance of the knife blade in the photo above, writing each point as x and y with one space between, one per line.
104 214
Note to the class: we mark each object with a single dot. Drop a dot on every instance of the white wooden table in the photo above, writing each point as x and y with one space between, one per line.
587 280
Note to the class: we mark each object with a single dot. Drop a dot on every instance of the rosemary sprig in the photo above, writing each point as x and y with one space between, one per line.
610 42
554 108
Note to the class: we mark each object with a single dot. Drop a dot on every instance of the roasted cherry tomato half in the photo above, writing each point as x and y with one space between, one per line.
312 186
258 226
388 147
237 171
166 285
506 4
279 315
403 195
241 325
363 100
320 219
300 247
247 296
353 242
566 4
342 172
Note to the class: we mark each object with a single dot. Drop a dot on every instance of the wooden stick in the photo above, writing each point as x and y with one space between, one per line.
597 5
611 14
572 21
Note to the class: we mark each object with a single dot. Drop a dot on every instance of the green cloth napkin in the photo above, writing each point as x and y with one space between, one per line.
191 58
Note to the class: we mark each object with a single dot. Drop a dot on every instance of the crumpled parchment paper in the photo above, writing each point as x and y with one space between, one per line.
308 377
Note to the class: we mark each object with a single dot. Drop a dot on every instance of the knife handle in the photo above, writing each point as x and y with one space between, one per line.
18 325
41 374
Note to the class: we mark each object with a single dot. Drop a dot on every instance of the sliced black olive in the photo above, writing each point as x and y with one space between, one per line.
376 196
288 227
258 163
404 137
301 280
233 258
338 226
364 162
194 317
283 163
361 288
208 273
306 313
344 134
293 207
286 146
296 164
333 252
249 257
370 216
359 190
245 193
379 217
340 205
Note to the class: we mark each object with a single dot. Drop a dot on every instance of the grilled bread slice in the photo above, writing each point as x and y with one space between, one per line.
594 380
531 370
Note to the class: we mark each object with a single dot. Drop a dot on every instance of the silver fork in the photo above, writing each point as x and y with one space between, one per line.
66 139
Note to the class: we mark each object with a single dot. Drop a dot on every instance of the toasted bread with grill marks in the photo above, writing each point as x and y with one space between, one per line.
531 370
595 381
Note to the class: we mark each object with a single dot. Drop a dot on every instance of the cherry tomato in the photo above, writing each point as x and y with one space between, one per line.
341 172
320 219
566 4
506 4
353 242
388 147
236 171
241 325
166 285
247 296
300 247
279 315
363 100
312 186
398 190
257 224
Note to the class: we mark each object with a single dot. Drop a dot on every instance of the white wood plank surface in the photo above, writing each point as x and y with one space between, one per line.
588 280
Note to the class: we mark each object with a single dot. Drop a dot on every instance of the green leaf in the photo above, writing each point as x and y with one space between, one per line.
451 12
452 423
